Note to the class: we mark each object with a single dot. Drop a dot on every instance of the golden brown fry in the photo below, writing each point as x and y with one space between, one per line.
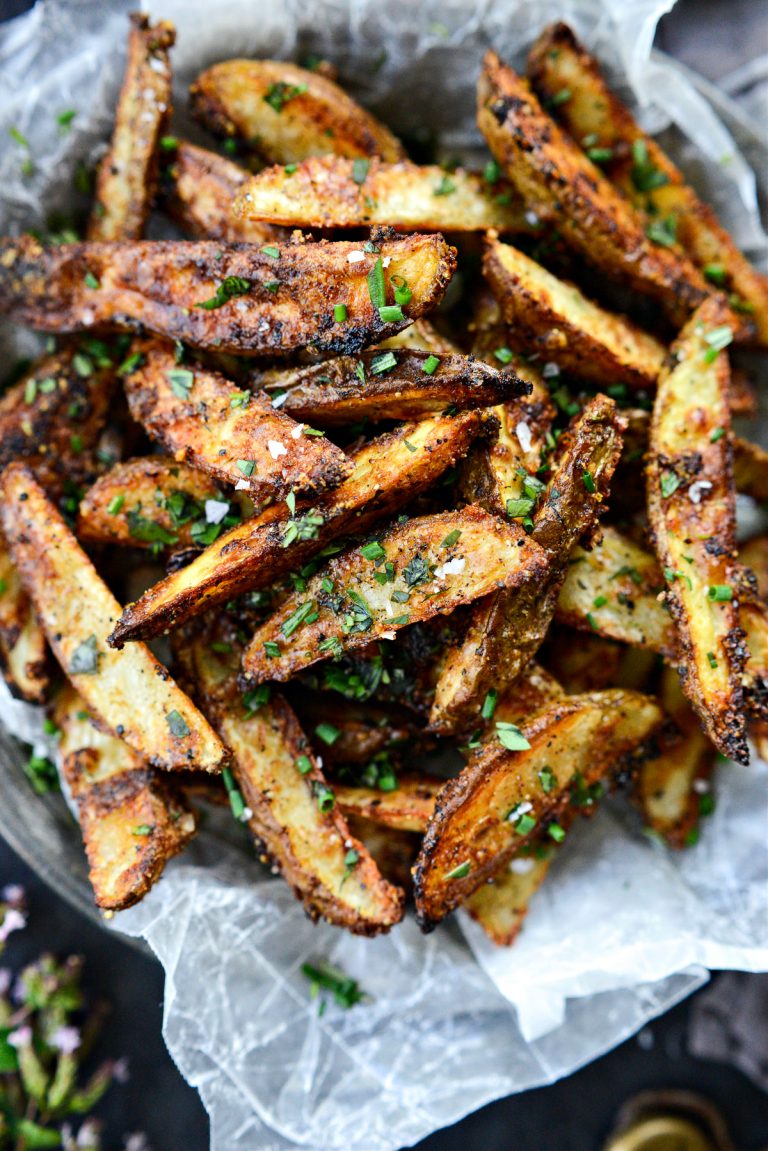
692 512
197 192
388 472
407 808
438 562
132 694
422 336
127 175
635 163
132 819
503 800
290 808
154 502
23 651
237 436
506 629
387 385
227 297
550 171
750 469
285 113
501 905
393 851
53 417
613 590
333 192
553 318
672 785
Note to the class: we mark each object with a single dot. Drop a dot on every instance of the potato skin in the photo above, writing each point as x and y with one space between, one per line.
501 905
553 318
127 175
692 512
231 99
330 192
248 444
387 473
197 191
288 302
549 170
589 738
487 553
132 694
309 846
557 61
23 650
332 393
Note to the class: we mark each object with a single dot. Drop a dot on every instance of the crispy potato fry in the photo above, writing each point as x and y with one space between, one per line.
410 573
613 590
53 417
293 810
387 385
388 472
750 469
580 662
127 174
130 691
393 851
499 803
554 319
226 297
236 436
285 113
549 170
23 651
420 337
692 512
635 163
131 816
156 503
334 192
408 808
501 905
671 785
506 629
754 555
198 188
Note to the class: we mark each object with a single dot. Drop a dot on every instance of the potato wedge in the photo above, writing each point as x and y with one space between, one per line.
127 175
506 629
422 336
289 806
236 436
503 799
226 297
581 662
23 650
53 417
130 692
638 167
410 573
501 905
553 318
388 472
548 169
386 385
155 503
363 729
334 192
285 113
750 469
197 190
132 817
692 512
408 808
393 851
673 786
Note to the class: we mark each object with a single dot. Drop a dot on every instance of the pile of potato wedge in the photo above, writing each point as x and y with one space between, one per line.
442 557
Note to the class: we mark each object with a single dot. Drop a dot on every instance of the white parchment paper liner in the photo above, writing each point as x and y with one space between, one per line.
623 929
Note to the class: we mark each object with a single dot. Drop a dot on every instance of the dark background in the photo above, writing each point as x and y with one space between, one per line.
715 37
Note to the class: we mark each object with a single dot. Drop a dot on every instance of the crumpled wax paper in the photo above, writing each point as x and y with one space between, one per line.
622 929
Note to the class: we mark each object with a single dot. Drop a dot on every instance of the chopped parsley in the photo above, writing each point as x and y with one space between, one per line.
445 188
279 94
489 704
229 287
644 174
360 168
511 737
181 381
669 484
322 977
177 724
548 780
85 658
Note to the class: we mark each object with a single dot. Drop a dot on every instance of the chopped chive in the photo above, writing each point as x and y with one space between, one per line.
720 593
451 538
556 832
383 363
304 764
669 484
339 313
491 172
360 168
459 872
373 551
430 364
90 281
716 435
271 251
589 482
712 659
503 355
327 733
271 649
489 704
391 314
377 289
247 467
